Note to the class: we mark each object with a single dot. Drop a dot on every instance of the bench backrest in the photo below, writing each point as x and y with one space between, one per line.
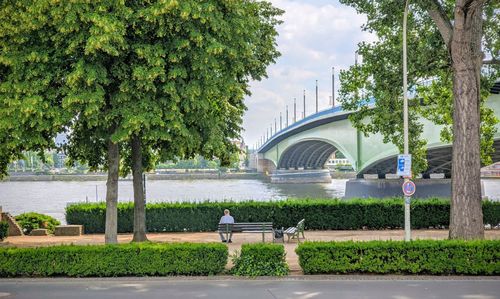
300 225
246 227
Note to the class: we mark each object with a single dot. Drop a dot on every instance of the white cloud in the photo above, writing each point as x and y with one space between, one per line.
315 36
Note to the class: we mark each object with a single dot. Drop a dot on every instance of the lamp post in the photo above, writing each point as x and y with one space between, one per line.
405 122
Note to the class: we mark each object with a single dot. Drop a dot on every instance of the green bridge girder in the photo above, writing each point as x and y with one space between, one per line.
305 144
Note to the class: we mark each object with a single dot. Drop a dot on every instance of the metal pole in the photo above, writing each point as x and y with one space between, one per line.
405 120
294 110
316 96
275 126
333 86
304 103
271 130
281 122
287 116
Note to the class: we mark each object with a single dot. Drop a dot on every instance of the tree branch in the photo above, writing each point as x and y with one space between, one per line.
441 20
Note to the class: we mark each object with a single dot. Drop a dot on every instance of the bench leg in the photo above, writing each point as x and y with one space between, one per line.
263 240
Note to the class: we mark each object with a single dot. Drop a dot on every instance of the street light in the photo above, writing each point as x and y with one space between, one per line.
405 122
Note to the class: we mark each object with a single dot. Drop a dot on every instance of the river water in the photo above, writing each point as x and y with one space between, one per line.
52 197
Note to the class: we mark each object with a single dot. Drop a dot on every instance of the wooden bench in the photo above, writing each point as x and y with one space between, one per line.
246 227
295 231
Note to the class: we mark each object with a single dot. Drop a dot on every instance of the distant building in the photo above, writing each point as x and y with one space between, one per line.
335 159
243 152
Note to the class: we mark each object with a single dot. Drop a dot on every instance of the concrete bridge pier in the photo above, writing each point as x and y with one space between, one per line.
264 165
301 176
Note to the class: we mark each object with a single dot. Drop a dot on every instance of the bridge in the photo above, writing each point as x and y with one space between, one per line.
308 143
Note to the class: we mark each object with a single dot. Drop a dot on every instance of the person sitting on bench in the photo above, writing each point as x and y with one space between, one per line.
223 220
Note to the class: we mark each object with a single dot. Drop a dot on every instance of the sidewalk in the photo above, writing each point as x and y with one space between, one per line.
239 239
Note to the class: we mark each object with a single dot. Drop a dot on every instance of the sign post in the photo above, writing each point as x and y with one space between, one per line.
409 188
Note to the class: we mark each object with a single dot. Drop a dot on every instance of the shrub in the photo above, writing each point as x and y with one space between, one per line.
4 230
260 260
149 259
444 257
32 220
320 214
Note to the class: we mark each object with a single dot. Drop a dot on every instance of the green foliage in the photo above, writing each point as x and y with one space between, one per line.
148 259
260 260
4 230
320 214
445 257
379 76
173 73
32 220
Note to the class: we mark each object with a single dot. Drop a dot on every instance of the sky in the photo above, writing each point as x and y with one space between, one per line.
316 35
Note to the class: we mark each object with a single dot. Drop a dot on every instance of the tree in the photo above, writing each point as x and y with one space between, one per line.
30 84
446 41
139 81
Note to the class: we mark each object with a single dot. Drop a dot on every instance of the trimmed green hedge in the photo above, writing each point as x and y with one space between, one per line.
445 257
260 260
320 214
115 260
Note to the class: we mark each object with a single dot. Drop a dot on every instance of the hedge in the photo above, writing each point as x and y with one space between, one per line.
4 230
260 260
320 214
445 257
148 259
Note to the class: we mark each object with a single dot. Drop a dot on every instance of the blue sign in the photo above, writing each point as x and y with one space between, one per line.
404 165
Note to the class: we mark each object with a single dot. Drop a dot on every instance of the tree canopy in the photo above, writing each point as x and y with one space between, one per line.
173 72
430 74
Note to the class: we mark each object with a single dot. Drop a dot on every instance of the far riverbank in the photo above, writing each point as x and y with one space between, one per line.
189 175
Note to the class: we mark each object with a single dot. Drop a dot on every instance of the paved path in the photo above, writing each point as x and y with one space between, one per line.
239 239
349 288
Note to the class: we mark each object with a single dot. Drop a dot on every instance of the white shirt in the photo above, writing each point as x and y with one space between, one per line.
226 219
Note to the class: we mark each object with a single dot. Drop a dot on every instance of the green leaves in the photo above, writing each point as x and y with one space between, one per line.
31 221
147 259
173 72
260 260
379 76
443 257
320 214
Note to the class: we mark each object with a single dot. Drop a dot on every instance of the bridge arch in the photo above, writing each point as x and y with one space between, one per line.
438 159
310 153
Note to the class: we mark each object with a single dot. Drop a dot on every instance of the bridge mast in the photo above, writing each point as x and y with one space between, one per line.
333 86
294 110
304 103
316 96
287 116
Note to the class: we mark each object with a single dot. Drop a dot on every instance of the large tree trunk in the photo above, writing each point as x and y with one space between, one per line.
112 194
466 216
139 205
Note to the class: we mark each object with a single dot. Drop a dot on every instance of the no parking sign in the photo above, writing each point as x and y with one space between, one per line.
409 188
